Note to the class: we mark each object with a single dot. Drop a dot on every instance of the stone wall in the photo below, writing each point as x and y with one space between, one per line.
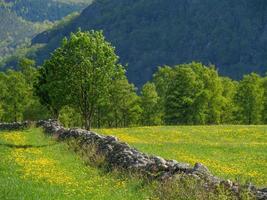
121 155
14 126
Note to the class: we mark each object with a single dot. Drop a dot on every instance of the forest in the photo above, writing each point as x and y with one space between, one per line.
84 85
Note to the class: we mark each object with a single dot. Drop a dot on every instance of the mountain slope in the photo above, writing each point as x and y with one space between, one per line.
21 20
15 32
232 34
41 10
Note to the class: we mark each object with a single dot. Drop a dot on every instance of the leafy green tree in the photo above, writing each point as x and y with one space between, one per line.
28 69
162 79
16 98
124 104
198 92
249 99
49 85
149 105
79 74
181 97
228 104
212 92
264 115
33 109
3 93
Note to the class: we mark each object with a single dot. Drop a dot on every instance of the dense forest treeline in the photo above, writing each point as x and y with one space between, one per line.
232 34
83 84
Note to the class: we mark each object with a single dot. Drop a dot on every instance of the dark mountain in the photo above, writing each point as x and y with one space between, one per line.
232 34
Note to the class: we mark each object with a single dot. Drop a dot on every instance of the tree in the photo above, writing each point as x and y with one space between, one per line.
228 104
162 79
33 109
49 84
28 69
124 104
149 104
79 74
3 93
208 104
264 115
16 97
197 91
249 99
180 104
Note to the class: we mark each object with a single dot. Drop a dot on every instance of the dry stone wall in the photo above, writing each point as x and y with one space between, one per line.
120 155
14 126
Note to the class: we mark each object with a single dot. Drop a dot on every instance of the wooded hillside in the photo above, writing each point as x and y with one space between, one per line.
232 34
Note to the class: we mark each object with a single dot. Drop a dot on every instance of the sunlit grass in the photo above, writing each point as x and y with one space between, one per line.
36 167
235 152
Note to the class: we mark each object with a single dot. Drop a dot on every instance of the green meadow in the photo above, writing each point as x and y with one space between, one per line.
33 167
232 152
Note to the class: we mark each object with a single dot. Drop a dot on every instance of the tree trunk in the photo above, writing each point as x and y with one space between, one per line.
88 124
15 111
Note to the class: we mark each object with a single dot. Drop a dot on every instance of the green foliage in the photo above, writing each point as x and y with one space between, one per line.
265 100
249 99
194 95
228 104
123 106
150 104
69 117
17 101
16 97
79 74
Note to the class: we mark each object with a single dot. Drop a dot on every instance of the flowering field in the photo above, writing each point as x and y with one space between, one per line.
235 152
35 167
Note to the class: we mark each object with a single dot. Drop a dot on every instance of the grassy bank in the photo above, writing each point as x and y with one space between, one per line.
235 152
33 166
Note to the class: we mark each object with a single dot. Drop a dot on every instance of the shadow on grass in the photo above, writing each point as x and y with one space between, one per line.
26 146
